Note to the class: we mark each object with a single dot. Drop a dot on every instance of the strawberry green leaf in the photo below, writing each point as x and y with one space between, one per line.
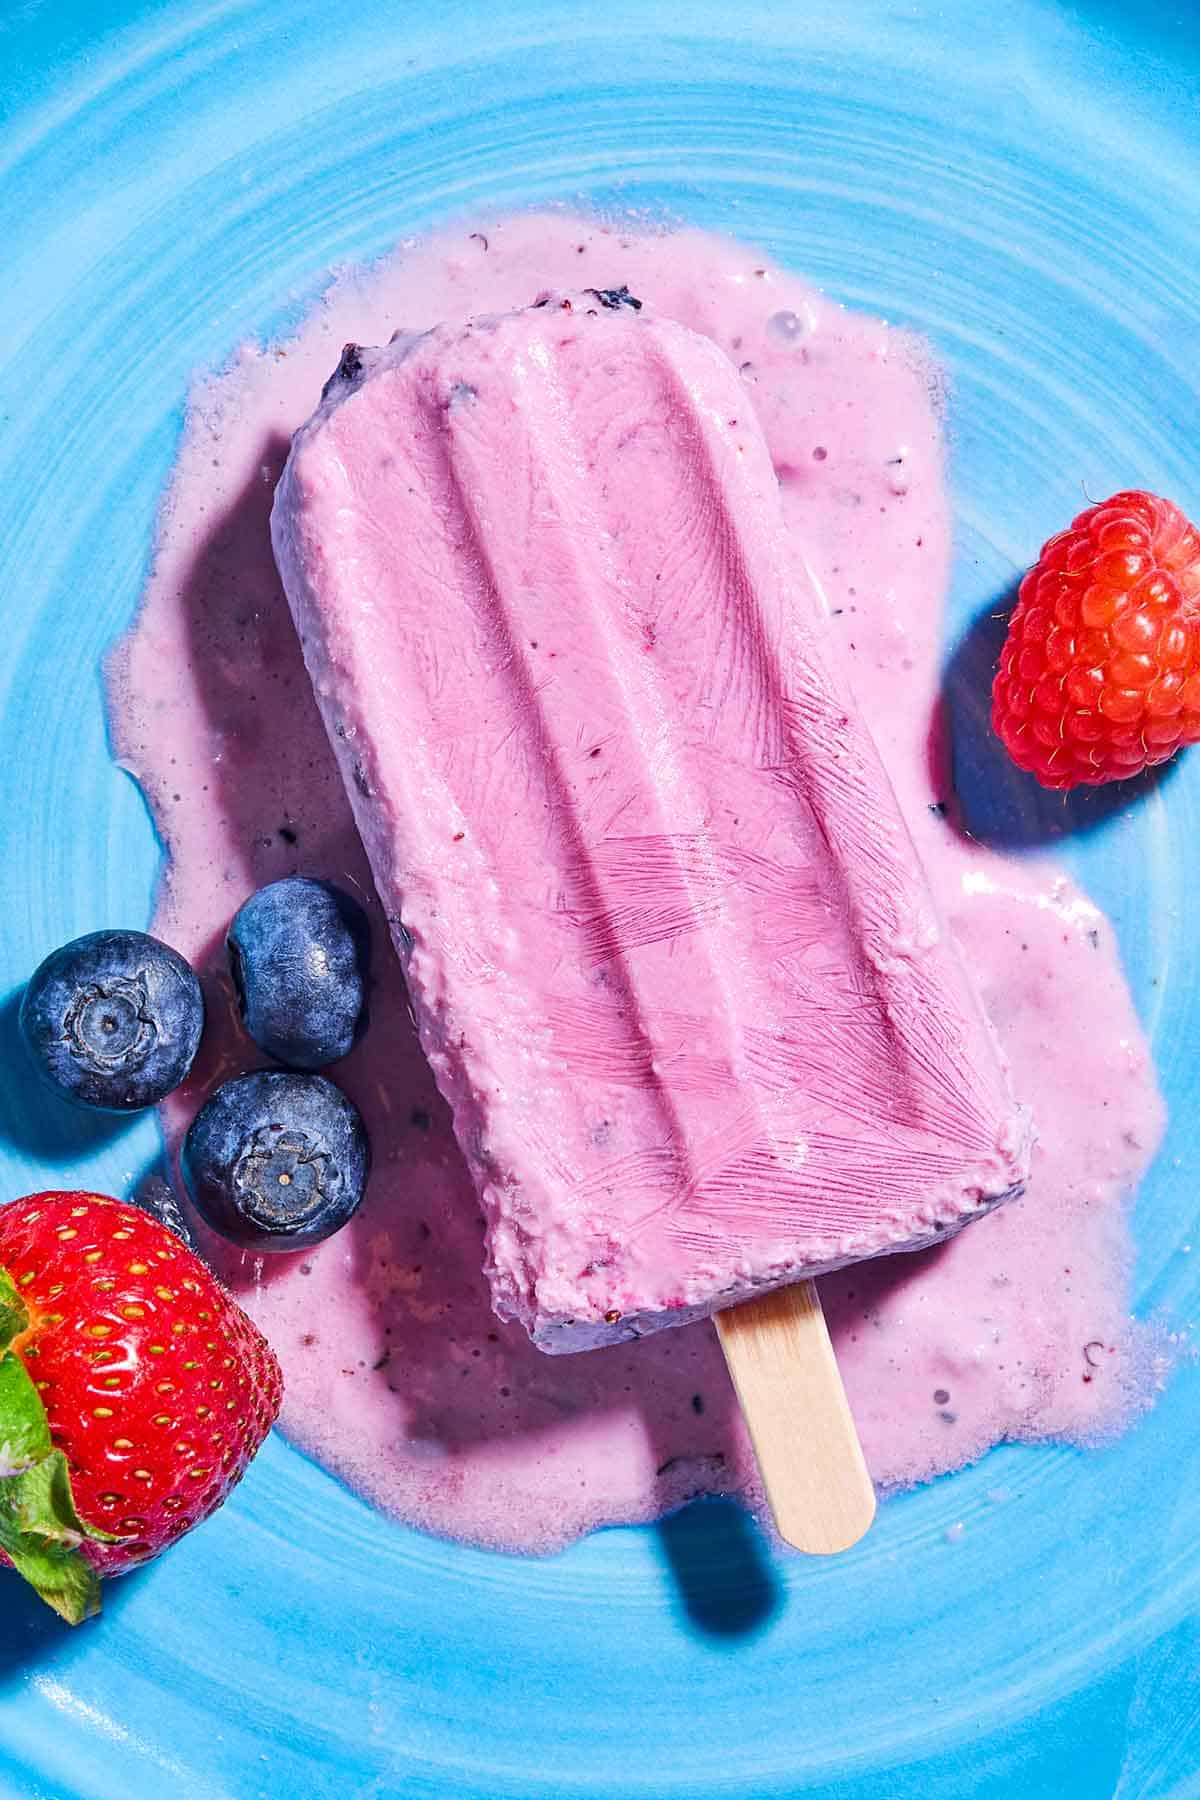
63 1579
40 1527
14 1314
40 1533
44 1546
24 1433
40 1504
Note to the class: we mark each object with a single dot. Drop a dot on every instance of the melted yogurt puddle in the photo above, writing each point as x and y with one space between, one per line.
398 1375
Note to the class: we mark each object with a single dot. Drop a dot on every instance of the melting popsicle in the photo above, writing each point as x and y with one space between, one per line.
671 953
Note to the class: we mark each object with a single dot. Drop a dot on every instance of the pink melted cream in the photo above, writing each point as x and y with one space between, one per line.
399 1376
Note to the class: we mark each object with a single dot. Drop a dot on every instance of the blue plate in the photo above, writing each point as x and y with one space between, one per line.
1020 180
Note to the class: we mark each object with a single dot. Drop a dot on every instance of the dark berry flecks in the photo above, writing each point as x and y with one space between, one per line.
113 1020
350 367
614 298
299 955
276 1161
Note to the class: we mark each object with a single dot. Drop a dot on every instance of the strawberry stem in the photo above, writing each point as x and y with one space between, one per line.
40 1527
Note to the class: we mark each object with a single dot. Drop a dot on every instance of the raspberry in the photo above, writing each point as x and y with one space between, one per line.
1100 674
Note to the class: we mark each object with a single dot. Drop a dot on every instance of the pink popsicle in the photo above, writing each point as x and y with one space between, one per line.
670 949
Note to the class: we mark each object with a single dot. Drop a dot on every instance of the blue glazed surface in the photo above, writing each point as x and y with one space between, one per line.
1019 180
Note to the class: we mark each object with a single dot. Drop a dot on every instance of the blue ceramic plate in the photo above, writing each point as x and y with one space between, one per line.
1021 181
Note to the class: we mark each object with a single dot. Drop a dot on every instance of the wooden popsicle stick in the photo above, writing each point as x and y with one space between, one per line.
791 1394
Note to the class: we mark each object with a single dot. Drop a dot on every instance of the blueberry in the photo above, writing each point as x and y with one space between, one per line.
113 1020
299 951
276 1161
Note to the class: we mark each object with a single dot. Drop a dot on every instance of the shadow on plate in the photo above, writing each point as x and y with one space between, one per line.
33 1637
996 803
721 1565
33 1120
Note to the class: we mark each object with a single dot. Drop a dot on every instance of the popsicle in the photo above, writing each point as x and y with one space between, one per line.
669 947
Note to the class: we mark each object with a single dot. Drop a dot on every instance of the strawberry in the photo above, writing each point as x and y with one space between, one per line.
1100 675
134 1392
